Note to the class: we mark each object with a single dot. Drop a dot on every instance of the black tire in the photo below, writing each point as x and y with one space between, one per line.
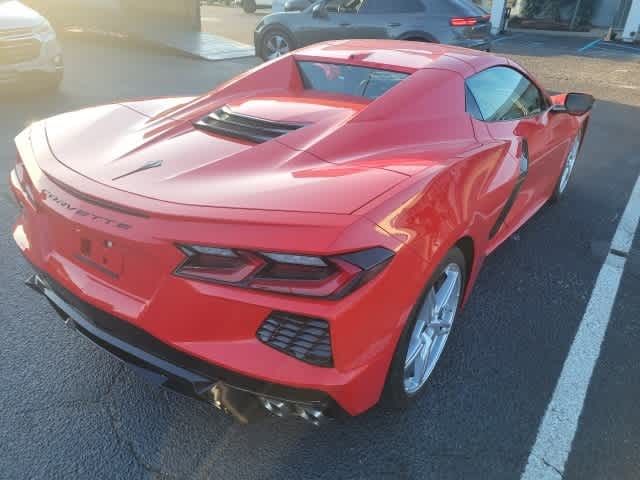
394 395
558 192
419 39
268 35
249 6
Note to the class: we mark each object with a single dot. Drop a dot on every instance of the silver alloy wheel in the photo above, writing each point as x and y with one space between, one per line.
569 164
276 46
432 328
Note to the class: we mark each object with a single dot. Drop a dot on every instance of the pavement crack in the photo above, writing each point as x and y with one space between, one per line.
77 402
553 467
130 447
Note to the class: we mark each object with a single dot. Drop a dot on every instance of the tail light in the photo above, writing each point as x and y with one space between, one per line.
24 180
468 21
324 277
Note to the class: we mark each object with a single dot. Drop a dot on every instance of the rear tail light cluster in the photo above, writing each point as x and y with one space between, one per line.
468 21
325 277
24 180
306 339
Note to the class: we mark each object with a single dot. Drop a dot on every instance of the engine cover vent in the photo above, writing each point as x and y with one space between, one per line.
224 122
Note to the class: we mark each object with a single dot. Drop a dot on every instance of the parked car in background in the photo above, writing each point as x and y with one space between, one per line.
29 49
455 22
250 6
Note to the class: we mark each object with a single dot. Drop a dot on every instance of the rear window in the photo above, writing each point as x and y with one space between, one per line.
348 79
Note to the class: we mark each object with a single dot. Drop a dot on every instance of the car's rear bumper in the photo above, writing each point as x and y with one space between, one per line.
162 365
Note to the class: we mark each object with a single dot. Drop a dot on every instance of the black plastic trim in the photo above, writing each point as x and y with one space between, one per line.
524 171
304 338
368 259
97 201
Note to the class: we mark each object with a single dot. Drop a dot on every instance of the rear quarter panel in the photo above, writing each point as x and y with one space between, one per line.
441 206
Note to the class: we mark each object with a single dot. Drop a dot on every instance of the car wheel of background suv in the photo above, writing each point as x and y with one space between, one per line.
249 6
275 43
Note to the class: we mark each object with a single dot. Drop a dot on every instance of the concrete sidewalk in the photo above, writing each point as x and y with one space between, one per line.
197 44
159 34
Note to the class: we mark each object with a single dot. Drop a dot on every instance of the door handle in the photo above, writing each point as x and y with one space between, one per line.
394 24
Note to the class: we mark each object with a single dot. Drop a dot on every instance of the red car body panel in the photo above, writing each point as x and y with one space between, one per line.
410 171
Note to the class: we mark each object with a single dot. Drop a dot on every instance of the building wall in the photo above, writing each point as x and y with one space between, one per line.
178 14
184 13
604 12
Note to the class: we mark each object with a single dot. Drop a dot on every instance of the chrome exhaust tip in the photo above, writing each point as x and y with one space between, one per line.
282 409
276 407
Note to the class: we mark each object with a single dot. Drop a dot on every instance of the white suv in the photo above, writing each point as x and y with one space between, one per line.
28 47
251 6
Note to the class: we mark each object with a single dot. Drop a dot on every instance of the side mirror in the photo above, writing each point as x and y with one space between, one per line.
574 103
319 11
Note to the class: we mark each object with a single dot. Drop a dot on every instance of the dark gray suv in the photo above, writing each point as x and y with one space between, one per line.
456 22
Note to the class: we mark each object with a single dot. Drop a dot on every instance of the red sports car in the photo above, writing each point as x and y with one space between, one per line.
301 239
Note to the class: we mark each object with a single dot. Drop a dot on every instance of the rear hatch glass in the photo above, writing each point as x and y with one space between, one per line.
348 79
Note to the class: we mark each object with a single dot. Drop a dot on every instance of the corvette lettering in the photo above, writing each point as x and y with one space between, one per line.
83 213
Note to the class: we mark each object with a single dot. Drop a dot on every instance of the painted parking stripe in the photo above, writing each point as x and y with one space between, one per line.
558 428
589 45
507 37
618 46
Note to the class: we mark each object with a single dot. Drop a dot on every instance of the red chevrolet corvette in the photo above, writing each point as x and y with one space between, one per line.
300 240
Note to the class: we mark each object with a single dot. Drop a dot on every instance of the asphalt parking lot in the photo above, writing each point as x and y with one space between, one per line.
71 411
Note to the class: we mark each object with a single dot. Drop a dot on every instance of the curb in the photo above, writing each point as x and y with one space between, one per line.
119 37
134 39
596 33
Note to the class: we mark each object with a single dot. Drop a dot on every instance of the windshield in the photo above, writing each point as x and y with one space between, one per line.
348 79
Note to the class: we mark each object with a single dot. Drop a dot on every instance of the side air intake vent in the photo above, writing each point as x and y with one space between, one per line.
225 122
306 339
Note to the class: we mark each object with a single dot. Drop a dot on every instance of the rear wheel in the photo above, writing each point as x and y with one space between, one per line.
426 333
249 6
420 39
275 43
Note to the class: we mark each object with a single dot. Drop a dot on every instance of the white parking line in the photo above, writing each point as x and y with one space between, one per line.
558 428
589 45
507 37
618 46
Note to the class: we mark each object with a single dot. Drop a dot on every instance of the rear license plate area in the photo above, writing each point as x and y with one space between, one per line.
102 254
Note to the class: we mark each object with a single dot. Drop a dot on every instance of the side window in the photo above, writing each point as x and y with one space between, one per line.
344 6
377 6
392 6
408 6
332 6
502 93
